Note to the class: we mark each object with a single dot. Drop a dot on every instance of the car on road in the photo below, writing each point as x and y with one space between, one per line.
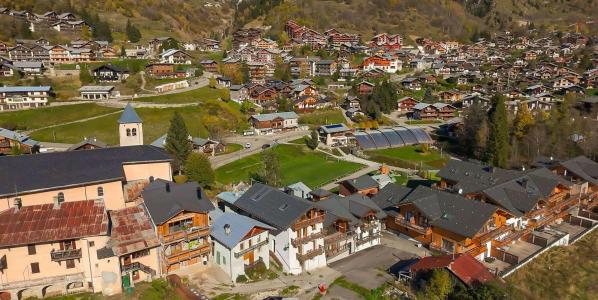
265 146
247 145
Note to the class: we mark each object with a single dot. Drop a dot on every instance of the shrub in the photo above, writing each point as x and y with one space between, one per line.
241 279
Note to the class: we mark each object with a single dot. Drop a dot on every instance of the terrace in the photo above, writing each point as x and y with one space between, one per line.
62 255
310 254
306 239
187 234
183 255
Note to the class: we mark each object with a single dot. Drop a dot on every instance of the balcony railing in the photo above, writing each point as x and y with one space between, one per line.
493 233
61 255
179 256
369 225
49 280
308 222
251 248
370 237
414 227
188 234
302 240
330 253
337 236
310 254
137 266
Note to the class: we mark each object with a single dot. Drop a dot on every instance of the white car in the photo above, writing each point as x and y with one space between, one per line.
247 145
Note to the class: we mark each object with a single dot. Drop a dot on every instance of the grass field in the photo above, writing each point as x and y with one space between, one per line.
416 122
322 117
569 272
409 157
41 117
196 95
297 163
155 123
230 148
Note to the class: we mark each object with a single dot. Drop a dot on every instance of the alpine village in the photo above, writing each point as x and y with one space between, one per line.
269 149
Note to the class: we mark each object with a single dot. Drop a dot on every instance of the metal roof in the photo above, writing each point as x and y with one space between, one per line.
129 115
239 226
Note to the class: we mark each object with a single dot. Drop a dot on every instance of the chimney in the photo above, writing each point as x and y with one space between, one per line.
168 187
18 204
227 229
151 179
56 203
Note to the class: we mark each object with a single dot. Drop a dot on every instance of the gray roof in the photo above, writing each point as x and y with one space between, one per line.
24 89
96 88
362 182
391 195
583 167
94 142
165 199
46 171
473 177
336 211
21 138
272 116
239 227
272 206
27 64
451 212
129 115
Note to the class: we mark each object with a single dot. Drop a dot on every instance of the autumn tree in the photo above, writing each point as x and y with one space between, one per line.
523 121
199 169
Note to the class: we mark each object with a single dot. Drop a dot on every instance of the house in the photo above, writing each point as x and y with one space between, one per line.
175 56
426 111
98 92
352 102
325 67
386 41
29 67
11 140
223 81
207 146
88 144
261 95
386 64
179 214
240 243
171 86
7 70
462 267
21 97
365 88
274 122
297 239
334 134
406 105
305 103
110 73
161 70
411 83
209 65
363 185
238 93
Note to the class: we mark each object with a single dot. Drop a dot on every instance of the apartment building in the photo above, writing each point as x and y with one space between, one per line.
21 97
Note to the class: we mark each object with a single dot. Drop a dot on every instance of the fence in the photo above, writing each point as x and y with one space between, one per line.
536 240
573 220
504 256
588 214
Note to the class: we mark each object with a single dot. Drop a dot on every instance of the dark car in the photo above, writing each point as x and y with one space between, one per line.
265 146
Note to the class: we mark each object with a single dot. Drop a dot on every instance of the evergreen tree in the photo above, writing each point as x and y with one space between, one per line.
269 172
313 141
84 75
133 34
498 141
177 140
199 169
25 31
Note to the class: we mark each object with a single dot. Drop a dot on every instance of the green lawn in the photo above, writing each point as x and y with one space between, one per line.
409 157
416 122
322 117
204 93
297 163
155 123
230 148
41 117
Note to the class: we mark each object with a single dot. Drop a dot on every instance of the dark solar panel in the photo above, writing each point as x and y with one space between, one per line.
364 141
407 136
379 139
393 137
335 126
421 135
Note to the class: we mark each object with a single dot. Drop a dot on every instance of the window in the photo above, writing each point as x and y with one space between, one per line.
224 260
448 246
31 249
242 246
250 242
34 268
100 191
60 197
92 244
141 253
68 245
70 263
134 132
128 132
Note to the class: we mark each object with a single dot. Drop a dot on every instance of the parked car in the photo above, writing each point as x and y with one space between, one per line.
247 145
265 146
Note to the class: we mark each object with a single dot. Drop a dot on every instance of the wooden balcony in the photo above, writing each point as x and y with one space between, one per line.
369 225
137 266
337 236
411 226
189 234
370 237
249 249
308 222
179 256
310 254
493 233
330 253
62 255
302 240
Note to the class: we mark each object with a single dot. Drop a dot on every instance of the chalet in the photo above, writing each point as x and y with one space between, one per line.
7 70
20 53
209 65
110 73
363 185
263 95
240 243
29 67
334 134
70 26
88 144
365 88
386 64
406 105
238 93
297 239
274 122
161 70
179 212
325 67
411 83
449 96
10 141
373 74
175 56
352 102
20 97
305 103
206 146
386 41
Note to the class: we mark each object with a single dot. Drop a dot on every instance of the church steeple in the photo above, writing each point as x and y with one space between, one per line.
130 127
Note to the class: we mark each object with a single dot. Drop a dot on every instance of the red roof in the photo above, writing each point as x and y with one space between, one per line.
44 223
464 266
131 231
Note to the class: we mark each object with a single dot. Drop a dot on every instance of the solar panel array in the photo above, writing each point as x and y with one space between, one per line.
391 137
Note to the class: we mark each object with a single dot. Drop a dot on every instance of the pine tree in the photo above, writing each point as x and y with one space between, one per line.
177 140
133 34
498 141
199 169
313 141
84 75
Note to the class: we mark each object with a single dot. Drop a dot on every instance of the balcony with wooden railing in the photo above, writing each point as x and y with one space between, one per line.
308 222
296 242
187 234
412 226
337 236
250 248
371 236
183 255
61 255
335 251
310 254
493 233
137 266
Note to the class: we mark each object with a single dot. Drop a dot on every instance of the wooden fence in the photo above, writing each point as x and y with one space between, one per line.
573 220
588 214
536 240
504 256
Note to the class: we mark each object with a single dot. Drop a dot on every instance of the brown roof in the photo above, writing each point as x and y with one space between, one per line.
131 231
44 223
463 266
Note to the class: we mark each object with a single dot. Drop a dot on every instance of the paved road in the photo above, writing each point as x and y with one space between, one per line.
256 141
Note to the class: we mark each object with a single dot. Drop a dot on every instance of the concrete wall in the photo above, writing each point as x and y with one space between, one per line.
160 170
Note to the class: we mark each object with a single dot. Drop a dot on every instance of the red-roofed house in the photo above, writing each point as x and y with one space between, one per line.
462 266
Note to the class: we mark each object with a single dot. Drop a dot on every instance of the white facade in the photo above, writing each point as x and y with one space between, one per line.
286 248
233 261
131 134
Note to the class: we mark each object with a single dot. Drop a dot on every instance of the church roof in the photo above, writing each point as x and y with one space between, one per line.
129 115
